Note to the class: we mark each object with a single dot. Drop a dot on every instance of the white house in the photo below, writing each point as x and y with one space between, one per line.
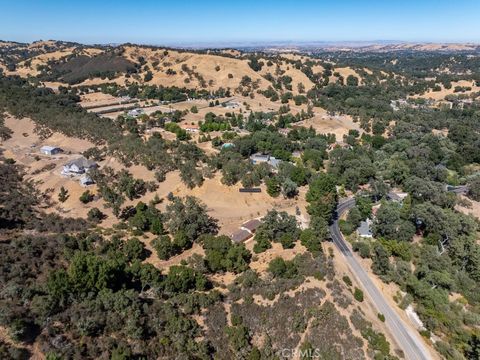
50 150
135 112
192 128
231 104
260 158
364 229
78 166
86 180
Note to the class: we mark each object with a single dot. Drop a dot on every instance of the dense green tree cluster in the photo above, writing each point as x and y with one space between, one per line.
409 154
322 197
255 64
189 216
143 217
222 255
413 147
214 123
98 296
390 224
281 268
278 227
474 188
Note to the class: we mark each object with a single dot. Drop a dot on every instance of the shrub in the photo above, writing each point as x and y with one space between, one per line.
262 243
425 334
347 280
148 76
222 255
311 241
362 248
346 227
164 247
86 197
358 294
182 279
63 195
282 268
95 215
273 187
134 249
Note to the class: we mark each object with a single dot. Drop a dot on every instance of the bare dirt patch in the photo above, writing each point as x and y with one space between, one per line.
473 209
337 124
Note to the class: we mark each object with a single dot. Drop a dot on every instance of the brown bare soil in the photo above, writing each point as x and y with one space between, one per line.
473 209
324 124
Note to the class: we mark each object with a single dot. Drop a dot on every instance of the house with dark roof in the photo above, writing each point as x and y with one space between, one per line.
259 158
251 225
461 189
240 236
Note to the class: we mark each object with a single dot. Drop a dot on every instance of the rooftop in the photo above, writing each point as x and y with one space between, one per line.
82 163
252 225
364 229
260 157
49 148
274 162
397 196
135 112
86 180
240 236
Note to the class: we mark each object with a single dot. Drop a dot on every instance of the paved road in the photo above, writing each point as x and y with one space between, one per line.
408 340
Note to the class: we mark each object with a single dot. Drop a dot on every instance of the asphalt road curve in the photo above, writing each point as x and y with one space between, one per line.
409 340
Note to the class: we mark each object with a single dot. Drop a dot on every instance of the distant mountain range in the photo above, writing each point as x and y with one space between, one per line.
309 46
363 46
296 46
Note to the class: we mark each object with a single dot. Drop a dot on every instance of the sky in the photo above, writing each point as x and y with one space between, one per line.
212 21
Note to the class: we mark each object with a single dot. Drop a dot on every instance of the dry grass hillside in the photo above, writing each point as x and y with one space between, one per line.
194 70
440 95
31 66
168 67
216 71
283 68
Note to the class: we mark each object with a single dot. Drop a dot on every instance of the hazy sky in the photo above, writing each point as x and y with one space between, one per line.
177 22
